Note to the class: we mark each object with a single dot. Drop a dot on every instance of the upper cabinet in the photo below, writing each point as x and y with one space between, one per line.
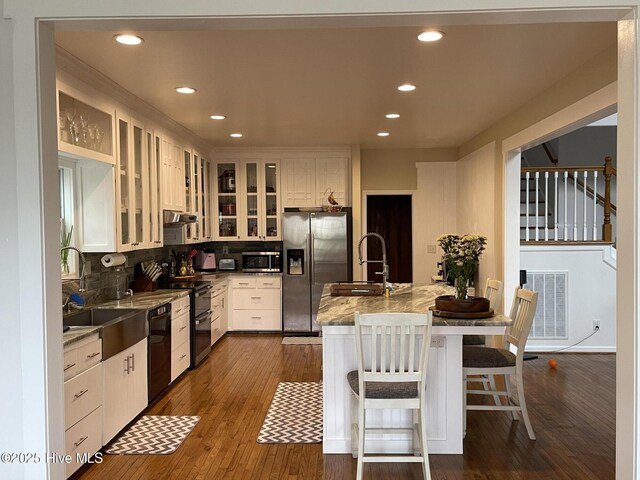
247 199
309 177
132 186
85 126
197 172
172 175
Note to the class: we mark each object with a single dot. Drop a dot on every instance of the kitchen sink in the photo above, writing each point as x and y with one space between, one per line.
121 327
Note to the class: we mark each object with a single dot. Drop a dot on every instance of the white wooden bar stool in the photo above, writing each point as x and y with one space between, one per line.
501 361
392 371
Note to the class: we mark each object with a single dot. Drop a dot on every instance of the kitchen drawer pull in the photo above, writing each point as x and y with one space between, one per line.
133 362
69 366
94 354
256 298
182 328
243 283
126 362
257 318
177 311
183 355
267 283
81 441
81 393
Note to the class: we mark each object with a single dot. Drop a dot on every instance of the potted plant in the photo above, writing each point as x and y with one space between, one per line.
461 257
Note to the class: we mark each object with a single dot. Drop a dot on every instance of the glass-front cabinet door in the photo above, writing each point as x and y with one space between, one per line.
251 198
154 161
271 201
132 185
226 201
84 128
188 190
197 197
205 207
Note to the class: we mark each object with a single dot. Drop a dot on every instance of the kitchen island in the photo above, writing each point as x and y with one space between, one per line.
444 377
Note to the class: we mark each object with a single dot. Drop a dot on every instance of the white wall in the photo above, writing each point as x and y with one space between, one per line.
475 175
434 213
591 294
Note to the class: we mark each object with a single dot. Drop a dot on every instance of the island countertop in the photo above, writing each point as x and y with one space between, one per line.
406 298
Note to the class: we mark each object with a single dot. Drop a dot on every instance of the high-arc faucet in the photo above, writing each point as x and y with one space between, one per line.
82 287
385 265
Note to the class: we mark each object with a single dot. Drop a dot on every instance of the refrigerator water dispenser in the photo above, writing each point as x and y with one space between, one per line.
295 262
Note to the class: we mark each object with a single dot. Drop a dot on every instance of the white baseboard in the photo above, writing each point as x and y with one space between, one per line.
577 349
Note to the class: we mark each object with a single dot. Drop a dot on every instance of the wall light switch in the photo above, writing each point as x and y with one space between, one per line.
225 250
431 249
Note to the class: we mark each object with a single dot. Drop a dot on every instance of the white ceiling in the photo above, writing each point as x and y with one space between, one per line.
328 86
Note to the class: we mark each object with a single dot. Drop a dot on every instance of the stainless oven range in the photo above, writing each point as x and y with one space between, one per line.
200 317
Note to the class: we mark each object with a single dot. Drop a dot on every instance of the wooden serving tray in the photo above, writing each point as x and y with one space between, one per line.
461 315
355 289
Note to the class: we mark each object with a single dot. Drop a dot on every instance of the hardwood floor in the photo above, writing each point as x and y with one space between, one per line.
572 410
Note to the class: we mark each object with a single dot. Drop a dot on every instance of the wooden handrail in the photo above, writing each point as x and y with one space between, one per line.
562 169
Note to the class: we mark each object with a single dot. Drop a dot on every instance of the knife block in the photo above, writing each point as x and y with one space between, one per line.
143 284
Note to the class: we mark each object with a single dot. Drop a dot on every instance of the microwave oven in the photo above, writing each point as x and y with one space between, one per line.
261 262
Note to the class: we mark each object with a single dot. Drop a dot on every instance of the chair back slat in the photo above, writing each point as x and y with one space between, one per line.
493 292
399 345
523 310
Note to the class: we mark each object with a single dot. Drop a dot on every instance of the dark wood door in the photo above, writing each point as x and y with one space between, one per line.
390 216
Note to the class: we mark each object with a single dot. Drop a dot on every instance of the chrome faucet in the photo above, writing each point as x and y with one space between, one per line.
385 265
82 283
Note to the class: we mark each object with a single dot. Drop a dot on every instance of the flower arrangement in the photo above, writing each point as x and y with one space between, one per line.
461 255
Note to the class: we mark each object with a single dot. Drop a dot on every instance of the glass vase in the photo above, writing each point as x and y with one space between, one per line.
461 287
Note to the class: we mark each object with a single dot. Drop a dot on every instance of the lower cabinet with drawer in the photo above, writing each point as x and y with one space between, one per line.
83 401
218 311
180 334
256 303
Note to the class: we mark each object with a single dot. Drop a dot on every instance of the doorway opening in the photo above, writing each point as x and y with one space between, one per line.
391 217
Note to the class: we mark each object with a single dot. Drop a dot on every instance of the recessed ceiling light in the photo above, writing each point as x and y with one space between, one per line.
128 39
407 87
430 36
236 135
383 134
392 115
217 117
185 89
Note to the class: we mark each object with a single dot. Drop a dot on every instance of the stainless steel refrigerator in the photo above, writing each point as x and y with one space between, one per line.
317 251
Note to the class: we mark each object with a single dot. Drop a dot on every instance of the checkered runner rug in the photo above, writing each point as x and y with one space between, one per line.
295 414
154 435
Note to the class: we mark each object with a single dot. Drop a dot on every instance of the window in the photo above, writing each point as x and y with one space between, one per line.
67 233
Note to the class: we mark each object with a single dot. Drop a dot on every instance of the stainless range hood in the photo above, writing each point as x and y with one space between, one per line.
172 219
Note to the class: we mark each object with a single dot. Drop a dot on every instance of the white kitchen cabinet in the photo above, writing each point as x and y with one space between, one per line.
248 199
85 125
180 335
125 389
172 176
132 185
154 161
219 323
197 196
309 177
256 303
83 391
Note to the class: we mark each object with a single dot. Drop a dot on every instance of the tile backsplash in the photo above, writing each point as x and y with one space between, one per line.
98 289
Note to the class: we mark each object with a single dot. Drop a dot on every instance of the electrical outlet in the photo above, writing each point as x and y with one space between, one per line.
437 342
596 325
431 249
225 250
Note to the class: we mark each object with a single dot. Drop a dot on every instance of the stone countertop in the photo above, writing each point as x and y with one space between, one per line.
222 275
75 334
145 300
406 298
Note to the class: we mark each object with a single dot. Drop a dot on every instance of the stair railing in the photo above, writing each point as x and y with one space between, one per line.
571 229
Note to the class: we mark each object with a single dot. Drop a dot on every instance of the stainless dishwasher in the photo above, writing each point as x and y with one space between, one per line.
159 350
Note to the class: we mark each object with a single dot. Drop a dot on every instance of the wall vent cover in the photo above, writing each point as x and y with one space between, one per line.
551 315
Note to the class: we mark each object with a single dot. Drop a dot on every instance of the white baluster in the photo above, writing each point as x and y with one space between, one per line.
584 212
555 215
537 210
595 202
575 206
526 230
566 180
546 206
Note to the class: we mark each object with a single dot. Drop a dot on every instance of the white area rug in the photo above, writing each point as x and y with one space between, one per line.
295 414
302 341
154 435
